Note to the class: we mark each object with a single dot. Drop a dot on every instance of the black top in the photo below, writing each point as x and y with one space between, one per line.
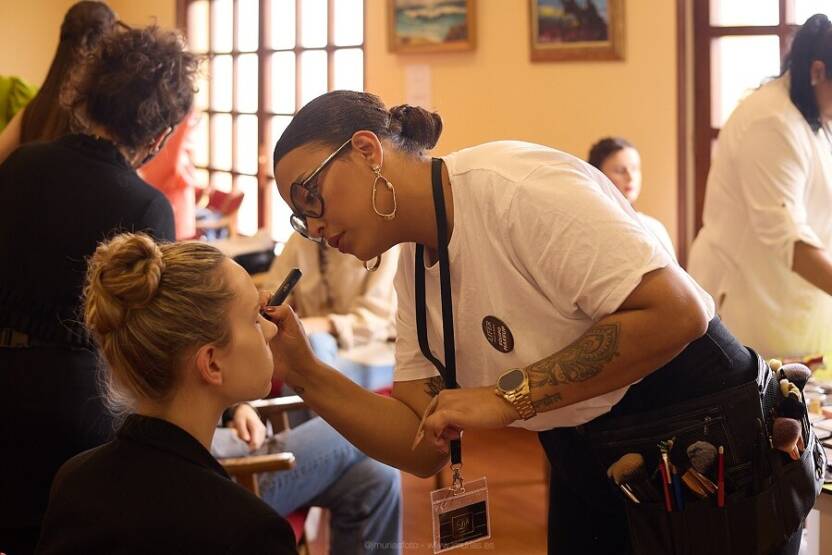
156 489
58 200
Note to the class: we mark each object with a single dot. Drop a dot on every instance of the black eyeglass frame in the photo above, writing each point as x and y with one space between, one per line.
297 219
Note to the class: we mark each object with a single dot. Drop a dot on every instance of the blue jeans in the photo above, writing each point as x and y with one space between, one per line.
362 494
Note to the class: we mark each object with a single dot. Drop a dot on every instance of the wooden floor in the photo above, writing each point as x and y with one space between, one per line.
513 462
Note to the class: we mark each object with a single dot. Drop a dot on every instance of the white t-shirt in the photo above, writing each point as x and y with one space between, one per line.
544 243
657 228
770 185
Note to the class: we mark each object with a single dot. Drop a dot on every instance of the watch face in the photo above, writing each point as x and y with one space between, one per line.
511 380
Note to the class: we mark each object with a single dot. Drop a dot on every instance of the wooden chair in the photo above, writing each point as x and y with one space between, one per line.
225 204
244 471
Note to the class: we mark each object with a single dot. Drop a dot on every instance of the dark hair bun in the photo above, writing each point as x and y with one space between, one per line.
417 128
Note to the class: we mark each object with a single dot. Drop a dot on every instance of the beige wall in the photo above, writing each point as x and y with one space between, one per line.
144 12
495 92
29 33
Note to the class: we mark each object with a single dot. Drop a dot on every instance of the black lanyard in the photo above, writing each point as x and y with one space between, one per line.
448 371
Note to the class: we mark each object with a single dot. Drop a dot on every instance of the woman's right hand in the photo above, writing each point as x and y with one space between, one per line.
290 347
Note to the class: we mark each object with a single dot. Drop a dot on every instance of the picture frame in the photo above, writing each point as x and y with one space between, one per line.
427 26
576 30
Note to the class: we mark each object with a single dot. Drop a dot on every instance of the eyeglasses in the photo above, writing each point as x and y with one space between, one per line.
306 198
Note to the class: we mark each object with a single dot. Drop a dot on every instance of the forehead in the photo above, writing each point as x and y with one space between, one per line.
240 283
625 155
299 163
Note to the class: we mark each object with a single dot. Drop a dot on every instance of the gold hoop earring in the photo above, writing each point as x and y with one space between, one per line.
392 214
375 266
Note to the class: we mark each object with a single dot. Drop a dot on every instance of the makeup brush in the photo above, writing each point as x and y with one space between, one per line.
788 389
630 475
786 435
796 373
791 407
702 456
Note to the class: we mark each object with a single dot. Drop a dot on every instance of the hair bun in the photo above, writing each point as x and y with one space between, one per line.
124 274
417 128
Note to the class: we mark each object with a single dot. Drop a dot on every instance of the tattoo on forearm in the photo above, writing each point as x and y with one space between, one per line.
578 362
434 385
547 402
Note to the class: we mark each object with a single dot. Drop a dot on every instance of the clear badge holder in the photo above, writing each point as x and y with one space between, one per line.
461 514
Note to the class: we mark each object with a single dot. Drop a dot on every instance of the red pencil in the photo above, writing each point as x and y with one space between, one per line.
720 484
667 503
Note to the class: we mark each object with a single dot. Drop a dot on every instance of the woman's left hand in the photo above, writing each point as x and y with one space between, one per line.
249 427
454 410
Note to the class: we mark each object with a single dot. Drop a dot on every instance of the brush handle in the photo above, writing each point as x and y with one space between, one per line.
664 476
677 489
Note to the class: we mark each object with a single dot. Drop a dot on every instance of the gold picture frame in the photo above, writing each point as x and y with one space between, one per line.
427 26
576 30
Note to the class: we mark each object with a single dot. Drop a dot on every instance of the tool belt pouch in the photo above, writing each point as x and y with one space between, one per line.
767 494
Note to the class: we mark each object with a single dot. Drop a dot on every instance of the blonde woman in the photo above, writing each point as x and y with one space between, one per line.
181 330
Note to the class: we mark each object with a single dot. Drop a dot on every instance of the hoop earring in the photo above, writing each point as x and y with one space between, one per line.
375 266
392 214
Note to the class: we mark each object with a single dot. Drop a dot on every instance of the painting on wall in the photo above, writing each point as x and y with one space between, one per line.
430 25
577 30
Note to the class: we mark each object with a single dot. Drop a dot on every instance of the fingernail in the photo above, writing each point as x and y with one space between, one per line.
269 309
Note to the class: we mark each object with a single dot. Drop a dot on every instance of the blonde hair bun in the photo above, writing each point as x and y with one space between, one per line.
124 274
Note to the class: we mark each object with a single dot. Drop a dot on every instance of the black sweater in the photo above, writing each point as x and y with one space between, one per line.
58 200
156 489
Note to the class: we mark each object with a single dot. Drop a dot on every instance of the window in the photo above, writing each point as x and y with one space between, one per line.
738 44
265 59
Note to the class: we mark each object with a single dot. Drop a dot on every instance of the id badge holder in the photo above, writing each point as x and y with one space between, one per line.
461 513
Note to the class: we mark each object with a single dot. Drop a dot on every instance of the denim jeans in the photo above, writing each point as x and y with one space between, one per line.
362 494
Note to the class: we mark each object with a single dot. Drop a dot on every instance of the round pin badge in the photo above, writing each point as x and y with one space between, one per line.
498 334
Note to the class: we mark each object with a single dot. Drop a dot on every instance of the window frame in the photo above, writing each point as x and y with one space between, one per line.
264 114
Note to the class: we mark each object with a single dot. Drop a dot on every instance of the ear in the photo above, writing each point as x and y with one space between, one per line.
368 145
207 365
159 142
817 72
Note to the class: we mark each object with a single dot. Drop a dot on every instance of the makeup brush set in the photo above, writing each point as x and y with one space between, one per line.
695 472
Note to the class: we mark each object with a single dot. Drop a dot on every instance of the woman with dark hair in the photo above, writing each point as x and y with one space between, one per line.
764 249
559 313
45 118
620 161
61 199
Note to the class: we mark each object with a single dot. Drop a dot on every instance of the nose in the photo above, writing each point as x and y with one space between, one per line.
315 227
269 329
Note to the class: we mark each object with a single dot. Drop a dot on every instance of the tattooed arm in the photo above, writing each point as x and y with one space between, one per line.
659 318
656 322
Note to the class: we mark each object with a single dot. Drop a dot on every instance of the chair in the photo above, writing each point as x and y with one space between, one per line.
305 522
224 205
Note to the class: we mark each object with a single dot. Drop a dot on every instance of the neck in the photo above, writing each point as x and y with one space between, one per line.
416 201
196 414
102 133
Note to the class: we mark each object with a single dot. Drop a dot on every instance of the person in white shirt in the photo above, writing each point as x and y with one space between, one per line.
763 252
555 286
620 161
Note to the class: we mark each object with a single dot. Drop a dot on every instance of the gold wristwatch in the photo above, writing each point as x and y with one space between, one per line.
513 386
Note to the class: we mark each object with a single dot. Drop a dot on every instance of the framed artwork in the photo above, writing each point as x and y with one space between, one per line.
431 25
576 30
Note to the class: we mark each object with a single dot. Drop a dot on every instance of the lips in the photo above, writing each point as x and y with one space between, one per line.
334 240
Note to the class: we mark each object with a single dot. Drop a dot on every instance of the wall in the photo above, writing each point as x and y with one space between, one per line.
29 36
144 12
495 92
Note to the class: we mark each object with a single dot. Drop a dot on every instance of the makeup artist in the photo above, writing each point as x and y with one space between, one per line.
559 308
